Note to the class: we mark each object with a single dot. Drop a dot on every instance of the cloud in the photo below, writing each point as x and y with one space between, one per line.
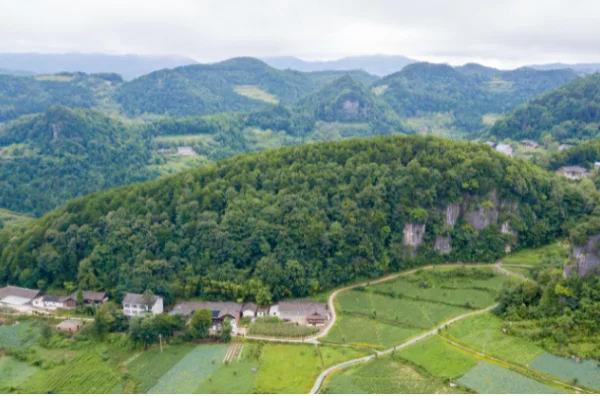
506 33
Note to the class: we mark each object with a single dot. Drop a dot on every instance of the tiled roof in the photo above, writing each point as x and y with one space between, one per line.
18 292
132 298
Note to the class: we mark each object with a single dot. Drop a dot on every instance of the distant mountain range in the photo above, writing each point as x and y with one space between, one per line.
129 66
585 68
379 65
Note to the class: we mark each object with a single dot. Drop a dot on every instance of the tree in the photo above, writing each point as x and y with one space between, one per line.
201 323
226 331
109 318
80 299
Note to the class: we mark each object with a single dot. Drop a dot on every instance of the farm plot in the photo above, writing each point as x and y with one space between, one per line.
535 256
484 333
587 372
518 269
233 378
363 332
254 92
439 358
13 372
419 314
489 378
187 374
151 365
385 375
278 328
17 335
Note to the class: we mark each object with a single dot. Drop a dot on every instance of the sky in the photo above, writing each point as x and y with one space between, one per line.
507 33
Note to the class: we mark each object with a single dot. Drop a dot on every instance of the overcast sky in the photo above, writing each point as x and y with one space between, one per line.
505 33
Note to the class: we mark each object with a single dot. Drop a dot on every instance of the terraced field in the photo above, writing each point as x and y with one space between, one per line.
364 332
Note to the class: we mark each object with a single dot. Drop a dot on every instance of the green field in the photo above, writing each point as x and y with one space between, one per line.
18 335
587 372
439 358
280 329
148 367
490 118
484 333
187 374
294 368
13 372
518 269
10 218
385 375
535 256
235 377
489 378
185 139
254 92
419 314
364 332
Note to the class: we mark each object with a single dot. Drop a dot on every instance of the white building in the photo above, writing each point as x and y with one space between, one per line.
504 149
137 304
249 310
17 298
54 302
274 310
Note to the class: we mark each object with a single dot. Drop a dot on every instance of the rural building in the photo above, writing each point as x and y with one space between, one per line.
530 144
304 312
263 310
48 301
137 304
573 172
504 149
163 151
18 298
564 147
491 144
186 151
249 310
597 165
221 311
274 310
92 298
69 326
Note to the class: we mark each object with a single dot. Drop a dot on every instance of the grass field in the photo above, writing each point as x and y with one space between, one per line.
484 333
280 329
151 365
13 372
368 333
10 218
587 372
420 314
439 358
490 118
201 137
520 270
254 92
535 256
187 374
294 368
232 378
17 336
489 378
385 375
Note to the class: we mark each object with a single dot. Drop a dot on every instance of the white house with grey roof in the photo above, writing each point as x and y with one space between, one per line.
138 304
18 298
304 312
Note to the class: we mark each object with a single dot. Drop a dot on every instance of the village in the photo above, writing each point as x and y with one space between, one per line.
26 301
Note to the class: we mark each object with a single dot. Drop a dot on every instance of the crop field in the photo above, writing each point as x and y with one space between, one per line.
86 373
281 329
587 372
535 256
484 333
385 375
518 269
187 374
13 372
294 368
439 358
233 378
489 378
192 138
18 336
151 365
364 332
419 314
254 92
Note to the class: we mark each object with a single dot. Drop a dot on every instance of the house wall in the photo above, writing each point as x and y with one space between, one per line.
248 313
158 307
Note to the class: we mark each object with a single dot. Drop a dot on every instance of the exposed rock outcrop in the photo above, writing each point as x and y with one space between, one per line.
413 235
442 244
452 213
587 258
482 218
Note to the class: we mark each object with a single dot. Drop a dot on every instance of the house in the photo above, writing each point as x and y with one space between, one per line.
163 151
564 147
304 312
274 310
69 326
92 298
262 310
221 311
504 149
573 172
48 301
491 144
137 304
18 298
529 144
597 165
186 151
249 310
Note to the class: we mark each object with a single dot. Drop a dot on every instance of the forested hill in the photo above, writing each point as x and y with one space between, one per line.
569 113
292 221
63 153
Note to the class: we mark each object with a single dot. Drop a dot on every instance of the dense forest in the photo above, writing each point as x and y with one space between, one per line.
293 221
570 113
63 153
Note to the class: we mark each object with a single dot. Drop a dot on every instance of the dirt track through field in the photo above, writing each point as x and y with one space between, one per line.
233 353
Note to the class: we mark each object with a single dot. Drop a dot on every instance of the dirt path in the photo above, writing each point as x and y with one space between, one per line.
506 272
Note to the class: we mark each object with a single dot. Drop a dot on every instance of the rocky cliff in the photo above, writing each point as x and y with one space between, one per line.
586 258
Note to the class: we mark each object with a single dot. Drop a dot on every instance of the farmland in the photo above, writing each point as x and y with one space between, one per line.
235 377
489 378
385 375
365 332
586 373
254 92
439 358
274 327
13 372
484 333
17 335
535 256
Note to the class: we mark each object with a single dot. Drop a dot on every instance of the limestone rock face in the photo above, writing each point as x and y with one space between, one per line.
442 244
587 258
452 213
413 234
482 217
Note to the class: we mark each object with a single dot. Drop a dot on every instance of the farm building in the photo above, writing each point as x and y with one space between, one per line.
18 298
564 147
491 144
597 165
529 144
54 302
69 326
137 304
92 298
249 310
504 149
304 312
573 172
186 151
263 310
274 310
221 311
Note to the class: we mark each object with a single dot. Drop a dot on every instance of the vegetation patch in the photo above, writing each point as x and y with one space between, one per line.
586 372
489 378
17 335
233 378
275 327
536 256
254 92
13 372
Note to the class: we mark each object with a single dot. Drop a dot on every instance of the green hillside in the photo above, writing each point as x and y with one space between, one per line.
568 113
63 153
293 221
